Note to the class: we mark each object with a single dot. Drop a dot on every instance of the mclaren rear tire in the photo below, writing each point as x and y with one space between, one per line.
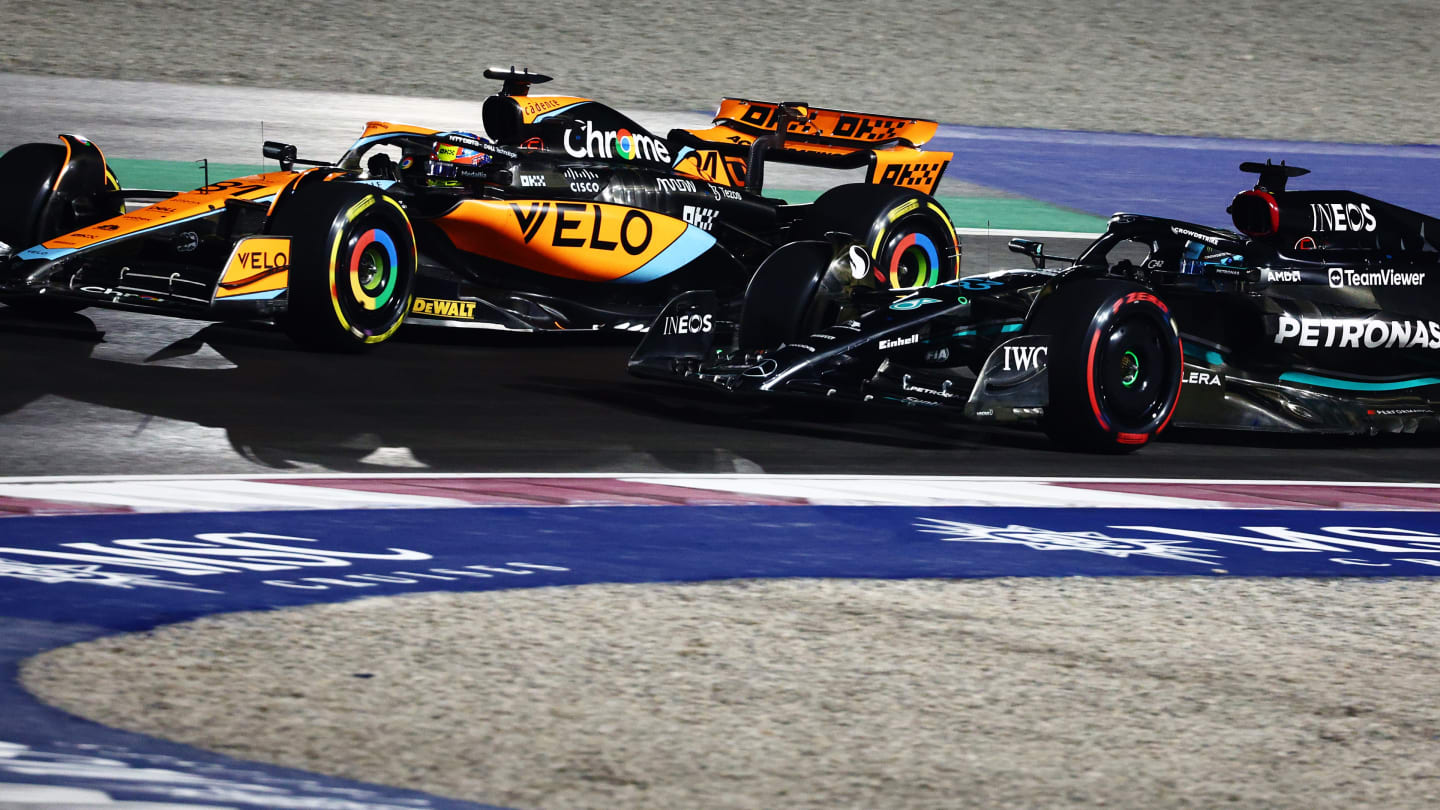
352 266
908 235
1114 364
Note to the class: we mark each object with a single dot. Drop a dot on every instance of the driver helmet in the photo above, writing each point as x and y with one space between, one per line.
445 157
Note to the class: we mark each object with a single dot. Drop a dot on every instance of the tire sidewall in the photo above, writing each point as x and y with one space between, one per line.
27 179
352 265
895 226
1085 404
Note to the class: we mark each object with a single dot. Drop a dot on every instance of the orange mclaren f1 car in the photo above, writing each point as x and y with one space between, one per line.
569 215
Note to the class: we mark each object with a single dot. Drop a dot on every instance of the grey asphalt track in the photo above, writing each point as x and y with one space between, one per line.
111 392
106 392
1071 692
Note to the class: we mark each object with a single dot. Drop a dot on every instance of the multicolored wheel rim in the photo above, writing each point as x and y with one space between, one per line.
374 269
914 262
366 270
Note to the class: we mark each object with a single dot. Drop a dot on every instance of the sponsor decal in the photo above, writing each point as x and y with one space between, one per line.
722 193
186 242
1357 333
589 142
943 392
530 180
585 188
581 174
262 258
693 324
1400 411
207 554
672 184
462 140
1387 277
1203 378
867 128
1282 276
160 560
444 308
896 343
913 303
702 218
859 262
632 233
256 264
1196 235
107 227
939 355
1368 546
1341 217
74 774
535 106
1024 358
533 143
921 175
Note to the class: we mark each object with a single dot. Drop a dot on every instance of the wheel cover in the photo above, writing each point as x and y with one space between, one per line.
367 290
1129 369
374 268
914 261
1134 365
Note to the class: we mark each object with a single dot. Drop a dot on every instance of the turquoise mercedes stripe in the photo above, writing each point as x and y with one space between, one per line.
1352 385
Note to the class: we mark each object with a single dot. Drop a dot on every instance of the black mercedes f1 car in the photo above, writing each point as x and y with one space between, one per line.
1317 315
569 216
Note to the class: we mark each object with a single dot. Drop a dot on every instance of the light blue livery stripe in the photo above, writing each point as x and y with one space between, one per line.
256 296
1352 385
558 110
42 252
681 252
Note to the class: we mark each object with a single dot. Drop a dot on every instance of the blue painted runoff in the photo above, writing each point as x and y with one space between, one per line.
1184 178
68 579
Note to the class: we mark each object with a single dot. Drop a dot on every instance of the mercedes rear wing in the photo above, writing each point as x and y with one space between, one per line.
745 134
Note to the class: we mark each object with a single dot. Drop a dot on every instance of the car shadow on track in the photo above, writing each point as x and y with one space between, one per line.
500 402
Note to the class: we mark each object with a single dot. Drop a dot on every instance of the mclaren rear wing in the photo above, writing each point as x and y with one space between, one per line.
745 134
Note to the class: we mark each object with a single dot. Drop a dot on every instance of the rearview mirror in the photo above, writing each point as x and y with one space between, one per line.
1027 247
283 152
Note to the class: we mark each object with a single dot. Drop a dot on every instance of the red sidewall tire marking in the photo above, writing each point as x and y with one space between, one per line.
1090 379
